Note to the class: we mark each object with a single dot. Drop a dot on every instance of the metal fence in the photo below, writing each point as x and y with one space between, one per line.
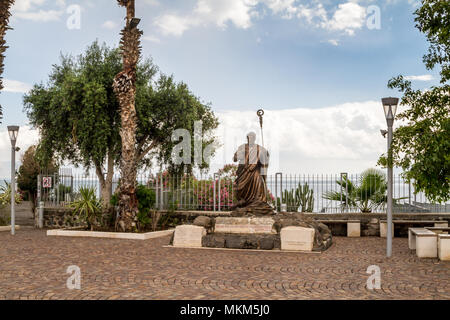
320 193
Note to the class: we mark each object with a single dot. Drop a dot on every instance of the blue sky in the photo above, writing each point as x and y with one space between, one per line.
239 55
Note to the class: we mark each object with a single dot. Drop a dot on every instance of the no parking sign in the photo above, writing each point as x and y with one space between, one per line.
47 182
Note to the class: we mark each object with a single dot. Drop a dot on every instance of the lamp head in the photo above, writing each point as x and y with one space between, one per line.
134 22
13 132
390 107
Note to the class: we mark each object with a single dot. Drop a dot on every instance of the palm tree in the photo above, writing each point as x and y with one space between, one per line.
5 13
367 196
125 89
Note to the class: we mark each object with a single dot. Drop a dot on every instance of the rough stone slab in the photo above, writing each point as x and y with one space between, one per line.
8 228
297 238
188 236
443 224
110 235
245 225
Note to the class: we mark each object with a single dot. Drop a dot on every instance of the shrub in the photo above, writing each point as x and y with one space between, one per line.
87 206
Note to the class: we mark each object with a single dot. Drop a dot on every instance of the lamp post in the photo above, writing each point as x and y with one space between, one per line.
390 108
13 133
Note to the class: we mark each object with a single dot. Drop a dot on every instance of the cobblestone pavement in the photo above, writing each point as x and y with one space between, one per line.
33 266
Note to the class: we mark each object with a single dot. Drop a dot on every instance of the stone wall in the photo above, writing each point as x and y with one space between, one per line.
370 222
55 218
58 218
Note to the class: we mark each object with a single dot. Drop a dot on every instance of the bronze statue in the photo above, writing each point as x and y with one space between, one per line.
250 184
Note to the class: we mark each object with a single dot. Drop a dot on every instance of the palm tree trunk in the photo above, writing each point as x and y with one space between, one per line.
5 13
125 89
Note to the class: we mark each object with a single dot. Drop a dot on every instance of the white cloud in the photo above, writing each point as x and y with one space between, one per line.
286 8
109 24
41 15
334 42
30 10
348 17
425 77
151 39
209 12
315 15
152 2
173 24
343 138
26 5
15 86
26 138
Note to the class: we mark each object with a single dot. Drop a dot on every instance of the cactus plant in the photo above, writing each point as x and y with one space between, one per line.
299 199
304 197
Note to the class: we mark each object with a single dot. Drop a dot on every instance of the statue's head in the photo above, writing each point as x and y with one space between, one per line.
251 138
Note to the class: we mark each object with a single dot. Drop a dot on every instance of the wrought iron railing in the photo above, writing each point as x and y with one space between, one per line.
320 193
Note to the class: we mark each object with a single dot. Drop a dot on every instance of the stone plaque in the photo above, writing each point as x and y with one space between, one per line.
245 225
188 236
297 238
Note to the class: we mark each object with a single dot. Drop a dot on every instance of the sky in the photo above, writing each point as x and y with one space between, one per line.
318 67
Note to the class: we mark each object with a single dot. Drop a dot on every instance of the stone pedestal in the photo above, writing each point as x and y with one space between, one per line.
383 229
188 236
297 238
354 229
444 247
249 225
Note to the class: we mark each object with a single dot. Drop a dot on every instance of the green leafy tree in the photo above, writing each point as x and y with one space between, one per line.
29 172
421 146
78 114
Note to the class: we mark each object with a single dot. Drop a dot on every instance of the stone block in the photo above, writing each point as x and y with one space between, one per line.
443 224
297 238
353 229
444 247
244 225
188 236
426 246
383 229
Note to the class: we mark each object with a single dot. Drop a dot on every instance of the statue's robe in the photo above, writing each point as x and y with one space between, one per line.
250 184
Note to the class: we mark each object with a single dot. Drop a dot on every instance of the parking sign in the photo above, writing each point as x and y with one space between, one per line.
47 182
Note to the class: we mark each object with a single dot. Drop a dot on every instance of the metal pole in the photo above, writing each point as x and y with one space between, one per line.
13 188
389 191
40 203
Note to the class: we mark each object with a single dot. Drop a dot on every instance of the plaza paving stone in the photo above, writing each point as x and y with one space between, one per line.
33 266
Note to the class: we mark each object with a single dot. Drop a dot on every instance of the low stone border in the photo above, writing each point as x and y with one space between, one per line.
109 235
245 250
8 228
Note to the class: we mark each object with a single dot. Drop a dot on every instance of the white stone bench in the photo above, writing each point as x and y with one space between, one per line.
439 230
353 226
444 247
383 225
423 241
